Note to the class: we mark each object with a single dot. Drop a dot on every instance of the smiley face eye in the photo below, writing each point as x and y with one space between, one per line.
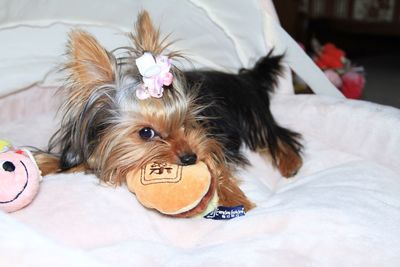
7 166
147 133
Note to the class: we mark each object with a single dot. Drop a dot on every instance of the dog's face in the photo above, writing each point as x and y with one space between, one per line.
150 130
109 129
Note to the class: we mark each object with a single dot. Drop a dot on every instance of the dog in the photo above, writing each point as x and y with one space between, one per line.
118 116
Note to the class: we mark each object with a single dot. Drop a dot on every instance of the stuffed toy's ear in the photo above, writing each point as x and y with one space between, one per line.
90 64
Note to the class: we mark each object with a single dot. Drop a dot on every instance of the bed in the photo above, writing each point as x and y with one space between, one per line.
341 209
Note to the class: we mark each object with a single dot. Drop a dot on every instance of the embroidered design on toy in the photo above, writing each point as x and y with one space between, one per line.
163 172
159 168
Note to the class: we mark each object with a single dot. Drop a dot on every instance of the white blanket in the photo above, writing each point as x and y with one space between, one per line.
341 209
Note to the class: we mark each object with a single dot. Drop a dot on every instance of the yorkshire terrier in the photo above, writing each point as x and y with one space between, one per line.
123 112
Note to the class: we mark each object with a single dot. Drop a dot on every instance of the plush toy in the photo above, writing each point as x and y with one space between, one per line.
4 145
174 190
19 177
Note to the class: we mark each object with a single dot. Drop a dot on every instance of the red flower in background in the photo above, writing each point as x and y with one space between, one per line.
353 84
330 57
345 76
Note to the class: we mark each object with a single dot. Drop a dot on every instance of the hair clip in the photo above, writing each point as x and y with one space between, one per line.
156 73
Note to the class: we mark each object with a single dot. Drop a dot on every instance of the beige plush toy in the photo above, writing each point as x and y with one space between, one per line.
174 190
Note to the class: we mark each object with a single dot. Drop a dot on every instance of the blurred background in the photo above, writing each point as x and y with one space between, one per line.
367 31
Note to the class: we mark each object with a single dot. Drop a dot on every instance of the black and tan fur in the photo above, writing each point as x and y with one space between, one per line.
103 120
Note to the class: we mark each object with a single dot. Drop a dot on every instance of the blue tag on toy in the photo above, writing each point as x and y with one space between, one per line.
226 213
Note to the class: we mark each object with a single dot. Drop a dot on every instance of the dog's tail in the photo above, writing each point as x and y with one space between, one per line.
283 144
47 163
266 71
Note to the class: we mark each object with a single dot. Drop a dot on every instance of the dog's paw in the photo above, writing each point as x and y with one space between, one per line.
289 163
231 195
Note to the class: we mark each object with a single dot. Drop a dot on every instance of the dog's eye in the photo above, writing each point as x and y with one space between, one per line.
147 133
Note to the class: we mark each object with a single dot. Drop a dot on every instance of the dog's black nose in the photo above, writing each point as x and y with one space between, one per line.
8 166
188 159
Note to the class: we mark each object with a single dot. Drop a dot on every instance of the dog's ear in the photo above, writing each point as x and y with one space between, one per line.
146 37
89 63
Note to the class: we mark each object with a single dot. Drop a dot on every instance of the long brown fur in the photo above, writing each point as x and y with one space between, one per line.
102 117
146 37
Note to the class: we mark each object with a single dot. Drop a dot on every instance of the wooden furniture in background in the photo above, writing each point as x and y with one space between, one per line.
358 26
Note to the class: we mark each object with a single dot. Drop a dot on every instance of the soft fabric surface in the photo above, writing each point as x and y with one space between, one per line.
36 33
222 35
341 209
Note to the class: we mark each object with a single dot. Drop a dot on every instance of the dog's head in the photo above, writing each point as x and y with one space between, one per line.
118 118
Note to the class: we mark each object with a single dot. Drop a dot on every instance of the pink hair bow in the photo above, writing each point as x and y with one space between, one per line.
156 73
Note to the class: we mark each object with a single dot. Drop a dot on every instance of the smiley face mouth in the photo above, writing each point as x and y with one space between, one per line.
23 188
